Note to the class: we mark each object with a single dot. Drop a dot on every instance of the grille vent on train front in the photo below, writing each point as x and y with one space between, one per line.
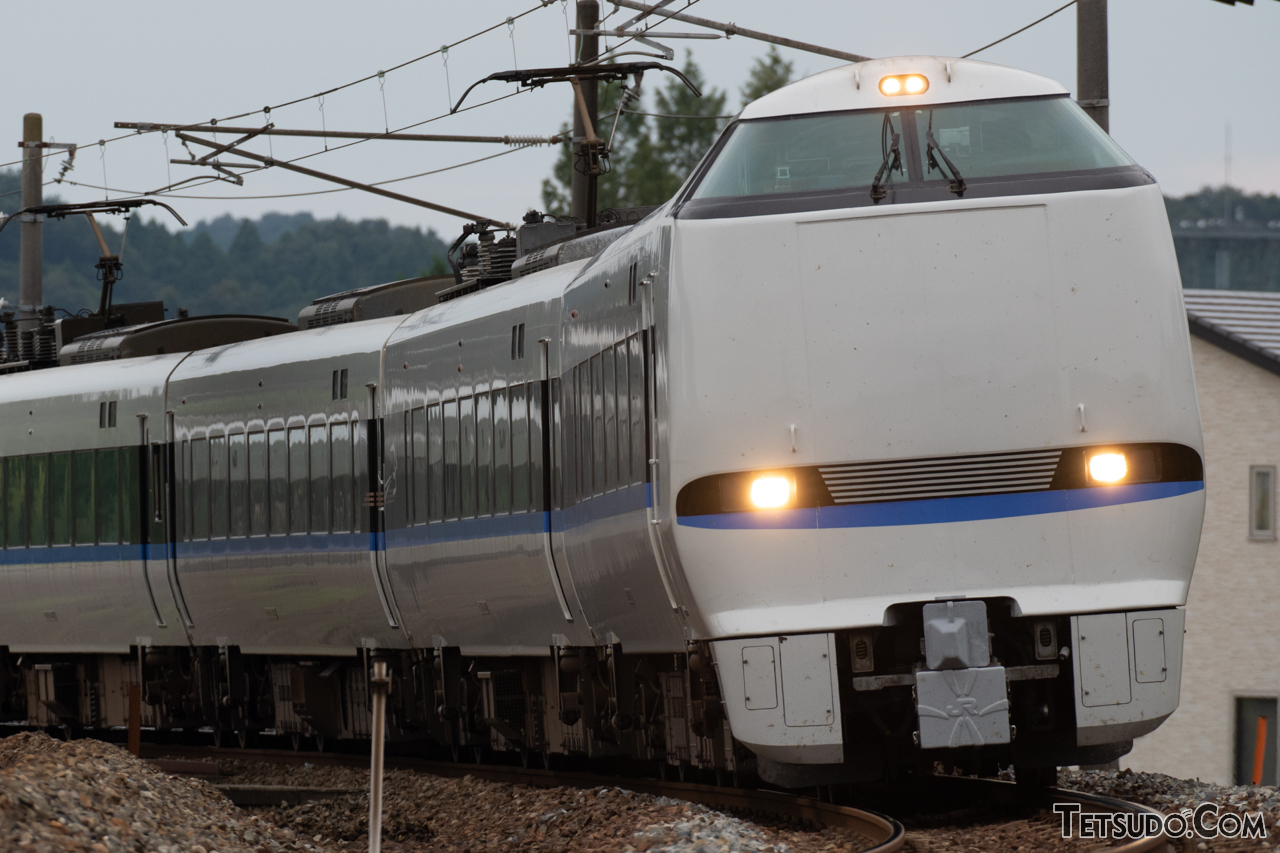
940 477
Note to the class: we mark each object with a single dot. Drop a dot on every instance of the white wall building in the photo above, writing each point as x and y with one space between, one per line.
1231 657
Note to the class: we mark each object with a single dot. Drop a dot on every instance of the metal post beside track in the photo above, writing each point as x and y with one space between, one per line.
380 683
582 195
31 244
1092 86
135 719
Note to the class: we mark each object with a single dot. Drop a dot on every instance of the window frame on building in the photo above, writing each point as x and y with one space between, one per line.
1262 502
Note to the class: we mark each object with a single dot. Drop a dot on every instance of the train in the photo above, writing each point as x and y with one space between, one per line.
875 447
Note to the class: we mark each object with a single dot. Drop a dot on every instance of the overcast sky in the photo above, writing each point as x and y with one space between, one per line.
1180 71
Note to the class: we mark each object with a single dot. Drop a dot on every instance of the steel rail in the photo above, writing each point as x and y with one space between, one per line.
998 791
885 833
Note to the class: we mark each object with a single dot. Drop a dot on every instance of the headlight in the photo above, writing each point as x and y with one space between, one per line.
771 492
1108 467
904 84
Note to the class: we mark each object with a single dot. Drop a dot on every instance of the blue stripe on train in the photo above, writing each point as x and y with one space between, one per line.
621 502
631 499
941 510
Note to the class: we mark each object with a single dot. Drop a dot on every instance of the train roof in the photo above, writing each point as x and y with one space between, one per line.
129 378
326 342
857 86
544 286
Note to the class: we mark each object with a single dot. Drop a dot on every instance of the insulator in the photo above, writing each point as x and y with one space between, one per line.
46 345
524 141
11 340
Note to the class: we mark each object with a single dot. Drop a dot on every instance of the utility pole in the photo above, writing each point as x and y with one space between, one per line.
31 244
1091 61
582 188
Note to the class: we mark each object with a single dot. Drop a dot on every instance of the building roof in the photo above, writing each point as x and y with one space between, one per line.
1245 323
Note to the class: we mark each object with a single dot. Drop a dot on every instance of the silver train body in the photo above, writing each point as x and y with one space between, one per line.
787 473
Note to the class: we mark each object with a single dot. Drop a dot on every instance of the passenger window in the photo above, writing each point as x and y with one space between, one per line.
569 425
199 488
597 425
38 487
108 493
278 481
319 479
15 481
359 478
60 505
184 474
451 473
218 487
484 456
435 462
501 452
555 423
258 513
111 415
519 449
467 425
298 483
238 489
624 416
83 489
340 384
535 446
610 421
585 480
639 434
132 501
418 463
343 504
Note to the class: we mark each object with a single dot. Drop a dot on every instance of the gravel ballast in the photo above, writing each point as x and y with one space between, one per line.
91 796
433 814
1169 794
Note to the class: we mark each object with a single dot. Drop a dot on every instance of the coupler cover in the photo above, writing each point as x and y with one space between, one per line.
962 707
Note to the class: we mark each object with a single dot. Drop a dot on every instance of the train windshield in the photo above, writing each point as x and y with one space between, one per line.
834 151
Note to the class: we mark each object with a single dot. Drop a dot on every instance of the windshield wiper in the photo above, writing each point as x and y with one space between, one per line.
956 184
877 190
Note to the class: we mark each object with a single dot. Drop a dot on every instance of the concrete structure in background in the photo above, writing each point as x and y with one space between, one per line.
1231 655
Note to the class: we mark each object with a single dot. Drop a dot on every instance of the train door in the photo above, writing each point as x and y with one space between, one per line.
375 502
550 432
151 504
657 511
163 516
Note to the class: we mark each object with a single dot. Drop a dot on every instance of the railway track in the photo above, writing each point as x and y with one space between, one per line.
885 834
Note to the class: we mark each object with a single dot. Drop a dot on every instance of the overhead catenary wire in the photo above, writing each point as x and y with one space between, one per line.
669 115
540 5
398 130
732 29
643 32
130 194
1024 29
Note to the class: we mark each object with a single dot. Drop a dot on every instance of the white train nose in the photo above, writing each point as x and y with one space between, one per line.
890 303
